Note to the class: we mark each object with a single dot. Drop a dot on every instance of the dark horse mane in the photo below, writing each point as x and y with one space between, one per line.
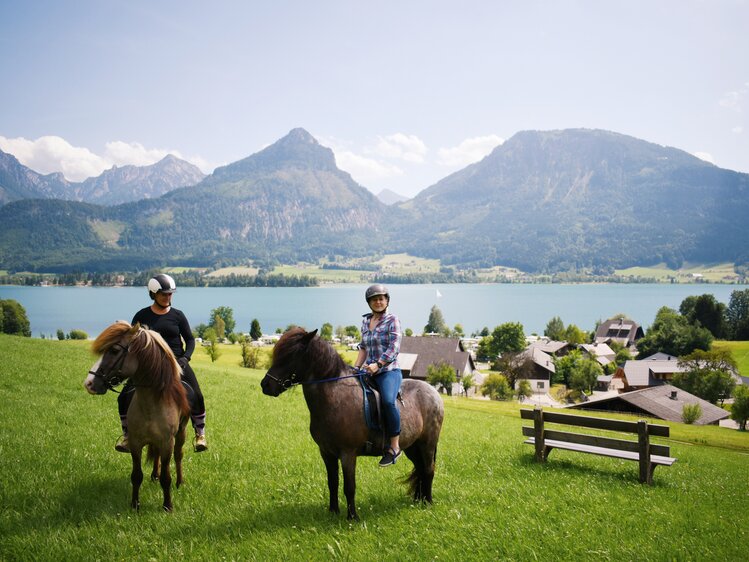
324 361
155 358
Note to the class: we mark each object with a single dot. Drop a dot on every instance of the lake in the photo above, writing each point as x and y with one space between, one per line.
91 309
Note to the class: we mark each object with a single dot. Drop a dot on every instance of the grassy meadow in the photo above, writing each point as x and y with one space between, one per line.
259 492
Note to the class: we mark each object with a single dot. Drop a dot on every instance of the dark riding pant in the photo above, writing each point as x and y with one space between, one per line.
389 383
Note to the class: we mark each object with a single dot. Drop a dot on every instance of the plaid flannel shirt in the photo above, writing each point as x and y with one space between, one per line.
384 342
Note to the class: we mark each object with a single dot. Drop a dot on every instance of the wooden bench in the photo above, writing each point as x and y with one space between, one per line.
648 454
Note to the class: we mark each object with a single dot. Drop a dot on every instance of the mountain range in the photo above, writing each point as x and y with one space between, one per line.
114 186
542 201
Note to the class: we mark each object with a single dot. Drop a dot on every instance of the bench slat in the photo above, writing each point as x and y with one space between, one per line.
580 448
596 423
597 441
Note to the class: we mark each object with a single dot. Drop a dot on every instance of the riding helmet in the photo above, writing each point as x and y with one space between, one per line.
376 289
161 283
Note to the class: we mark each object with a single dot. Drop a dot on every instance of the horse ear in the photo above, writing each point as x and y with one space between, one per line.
135 328
309 336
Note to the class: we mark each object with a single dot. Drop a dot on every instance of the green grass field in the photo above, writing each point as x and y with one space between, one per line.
259 492
740 352
713 273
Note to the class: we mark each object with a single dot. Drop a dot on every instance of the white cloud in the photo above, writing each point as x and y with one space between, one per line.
122 153
54 154
706 156
469 151
734 99
401 146
365 170
738 129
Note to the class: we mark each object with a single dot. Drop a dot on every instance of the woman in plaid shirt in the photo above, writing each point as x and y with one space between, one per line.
378 354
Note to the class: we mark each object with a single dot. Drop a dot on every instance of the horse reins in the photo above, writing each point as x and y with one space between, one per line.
117 378
291 381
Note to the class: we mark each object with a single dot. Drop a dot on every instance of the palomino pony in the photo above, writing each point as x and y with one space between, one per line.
336 405
159 411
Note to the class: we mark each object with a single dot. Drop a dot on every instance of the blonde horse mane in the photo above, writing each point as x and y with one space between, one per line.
155 357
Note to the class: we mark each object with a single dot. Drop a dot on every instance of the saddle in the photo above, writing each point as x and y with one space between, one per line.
373 415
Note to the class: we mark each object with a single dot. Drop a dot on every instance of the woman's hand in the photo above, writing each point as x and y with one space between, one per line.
372 368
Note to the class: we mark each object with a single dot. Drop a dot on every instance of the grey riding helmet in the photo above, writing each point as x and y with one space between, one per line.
375 290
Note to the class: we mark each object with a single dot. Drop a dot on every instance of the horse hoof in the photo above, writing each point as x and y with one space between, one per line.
353 517
168 508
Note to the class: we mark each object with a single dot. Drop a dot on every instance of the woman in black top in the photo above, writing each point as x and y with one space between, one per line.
173 326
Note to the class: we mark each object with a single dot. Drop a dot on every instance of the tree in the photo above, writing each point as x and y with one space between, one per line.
707 374
14 319
515 366
740 406
436 323
467 383
442 374
255 331
60 334
672 333
496 387
585 374
227 315
565 366
210 344
573 334
737 315
218 326
524 389
507 337
353 332
250 353
458 331
555 329
690 413
77 335
706 311
408 332
326 332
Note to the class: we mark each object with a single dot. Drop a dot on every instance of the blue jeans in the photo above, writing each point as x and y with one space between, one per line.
389 383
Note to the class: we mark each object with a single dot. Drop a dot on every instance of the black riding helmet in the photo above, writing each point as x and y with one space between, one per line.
161 283
375 290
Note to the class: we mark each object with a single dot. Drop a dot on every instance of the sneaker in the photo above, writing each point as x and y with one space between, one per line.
122 445
389 457
200 443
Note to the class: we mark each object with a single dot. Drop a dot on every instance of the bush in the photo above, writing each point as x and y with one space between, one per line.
496 387
77 335
442 374
14 320
690 413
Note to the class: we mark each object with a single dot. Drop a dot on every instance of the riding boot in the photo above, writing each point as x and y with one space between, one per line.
198 423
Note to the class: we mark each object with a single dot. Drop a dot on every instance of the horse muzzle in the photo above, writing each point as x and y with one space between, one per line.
94 385
272 386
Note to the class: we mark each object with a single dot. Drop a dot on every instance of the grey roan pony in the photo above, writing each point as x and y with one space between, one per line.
335 402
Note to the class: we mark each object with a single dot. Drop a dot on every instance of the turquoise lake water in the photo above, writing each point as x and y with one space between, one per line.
474 306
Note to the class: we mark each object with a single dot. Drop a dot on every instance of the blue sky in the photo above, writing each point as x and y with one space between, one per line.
404 92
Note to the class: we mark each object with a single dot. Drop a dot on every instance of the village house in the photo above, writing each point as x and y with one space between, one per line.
542 369
417 353
665 402
620 330
552 347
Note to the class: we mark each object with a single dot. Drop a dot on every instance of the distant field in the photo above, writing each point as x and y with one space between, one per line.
400 264
740 352
239 270
721 272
